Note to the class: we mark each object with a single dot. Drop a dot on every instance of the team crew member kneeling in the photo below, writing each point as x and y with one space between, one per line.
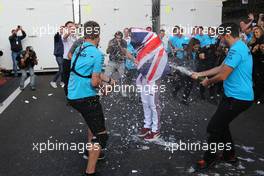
85 76
236 73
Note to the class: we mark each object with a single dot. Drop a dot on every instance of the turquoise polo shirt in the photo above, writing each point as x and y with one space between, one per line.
89 62
239 84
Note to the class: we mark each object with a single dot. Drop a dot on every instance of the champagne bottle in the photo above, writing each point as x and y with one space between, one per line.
201 78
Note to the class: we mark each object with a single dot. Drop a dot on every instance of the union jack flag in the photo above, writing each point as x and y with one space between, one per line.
152 59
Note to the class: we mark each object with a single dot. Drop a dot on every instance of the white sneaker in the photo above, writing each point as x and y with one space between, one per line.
62 84
53 84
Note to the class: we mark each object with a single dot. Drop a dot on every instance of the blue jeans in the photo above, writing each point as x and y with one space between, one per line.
24 76
14 57
60 72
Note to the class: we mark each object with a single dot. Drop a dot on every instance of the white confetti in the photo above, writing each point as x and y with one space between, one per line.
240 166
191 170
261 159
246 159
50 94
259 172
34 97
26 101
134 171
145 147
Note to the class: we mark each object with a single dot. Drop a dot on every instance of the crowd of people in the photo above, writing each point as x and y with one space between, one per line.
228 65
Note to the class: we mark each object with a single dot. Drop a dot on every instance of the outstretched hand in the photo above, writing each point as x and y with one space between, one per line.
205 82
195 75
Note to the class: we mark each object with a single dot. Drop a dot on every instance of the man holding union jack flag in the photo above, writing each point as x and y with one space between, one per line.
151 63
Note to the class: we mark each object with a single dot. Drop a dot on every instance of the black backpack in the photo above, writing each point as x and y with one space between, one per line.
75 61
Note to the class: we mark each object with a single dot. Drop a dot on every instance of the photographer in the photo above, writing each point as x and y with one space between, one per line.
117 49
16 46
26 62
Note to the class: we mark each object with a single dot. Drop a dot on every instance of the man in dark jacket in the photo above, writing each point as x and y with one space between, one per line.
26 62
16 45
117 48
58 53
207 60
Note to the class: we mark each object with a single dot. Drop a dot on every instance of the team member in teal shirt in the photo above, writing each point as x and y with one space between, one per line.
236 73
176 43
85 77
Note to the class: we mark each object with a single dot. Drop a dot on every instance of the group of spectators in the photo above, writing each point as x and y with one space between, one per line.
25 60
203 50
200 51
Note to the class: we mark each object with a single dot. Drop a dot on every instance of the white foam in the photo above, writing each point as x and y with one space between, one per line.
259 172
246 159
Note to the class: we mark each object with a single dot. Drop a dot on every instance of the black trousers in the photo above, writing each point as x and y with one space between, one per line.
218 127
66 74
92 112
259 81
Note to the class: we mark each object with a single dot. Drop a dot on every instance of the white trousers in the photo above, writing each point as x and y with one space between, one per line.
150 100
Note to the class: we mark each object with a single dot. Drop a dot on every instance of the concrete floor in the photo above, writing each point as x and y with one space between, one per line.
46 117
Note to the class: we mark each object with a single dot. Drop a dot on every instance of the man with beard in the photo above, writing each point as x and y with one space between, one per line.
236 73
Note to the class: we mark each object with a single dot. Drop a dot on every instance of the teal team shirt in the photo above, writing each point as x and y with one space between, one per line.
129 63
205 40
178 42
89 62
239 84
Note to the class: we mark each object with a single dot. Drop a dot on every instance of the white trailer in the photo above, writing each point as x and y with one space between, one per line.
41 18
190 13
35 17
115 15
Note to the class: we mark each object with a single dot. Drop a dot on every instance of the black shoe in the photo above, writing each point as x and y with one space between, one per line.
202 165
86 155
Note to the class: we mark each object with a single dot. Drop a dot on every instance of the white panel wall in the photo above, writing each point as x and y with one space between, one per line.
190 13
114 15
33 15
